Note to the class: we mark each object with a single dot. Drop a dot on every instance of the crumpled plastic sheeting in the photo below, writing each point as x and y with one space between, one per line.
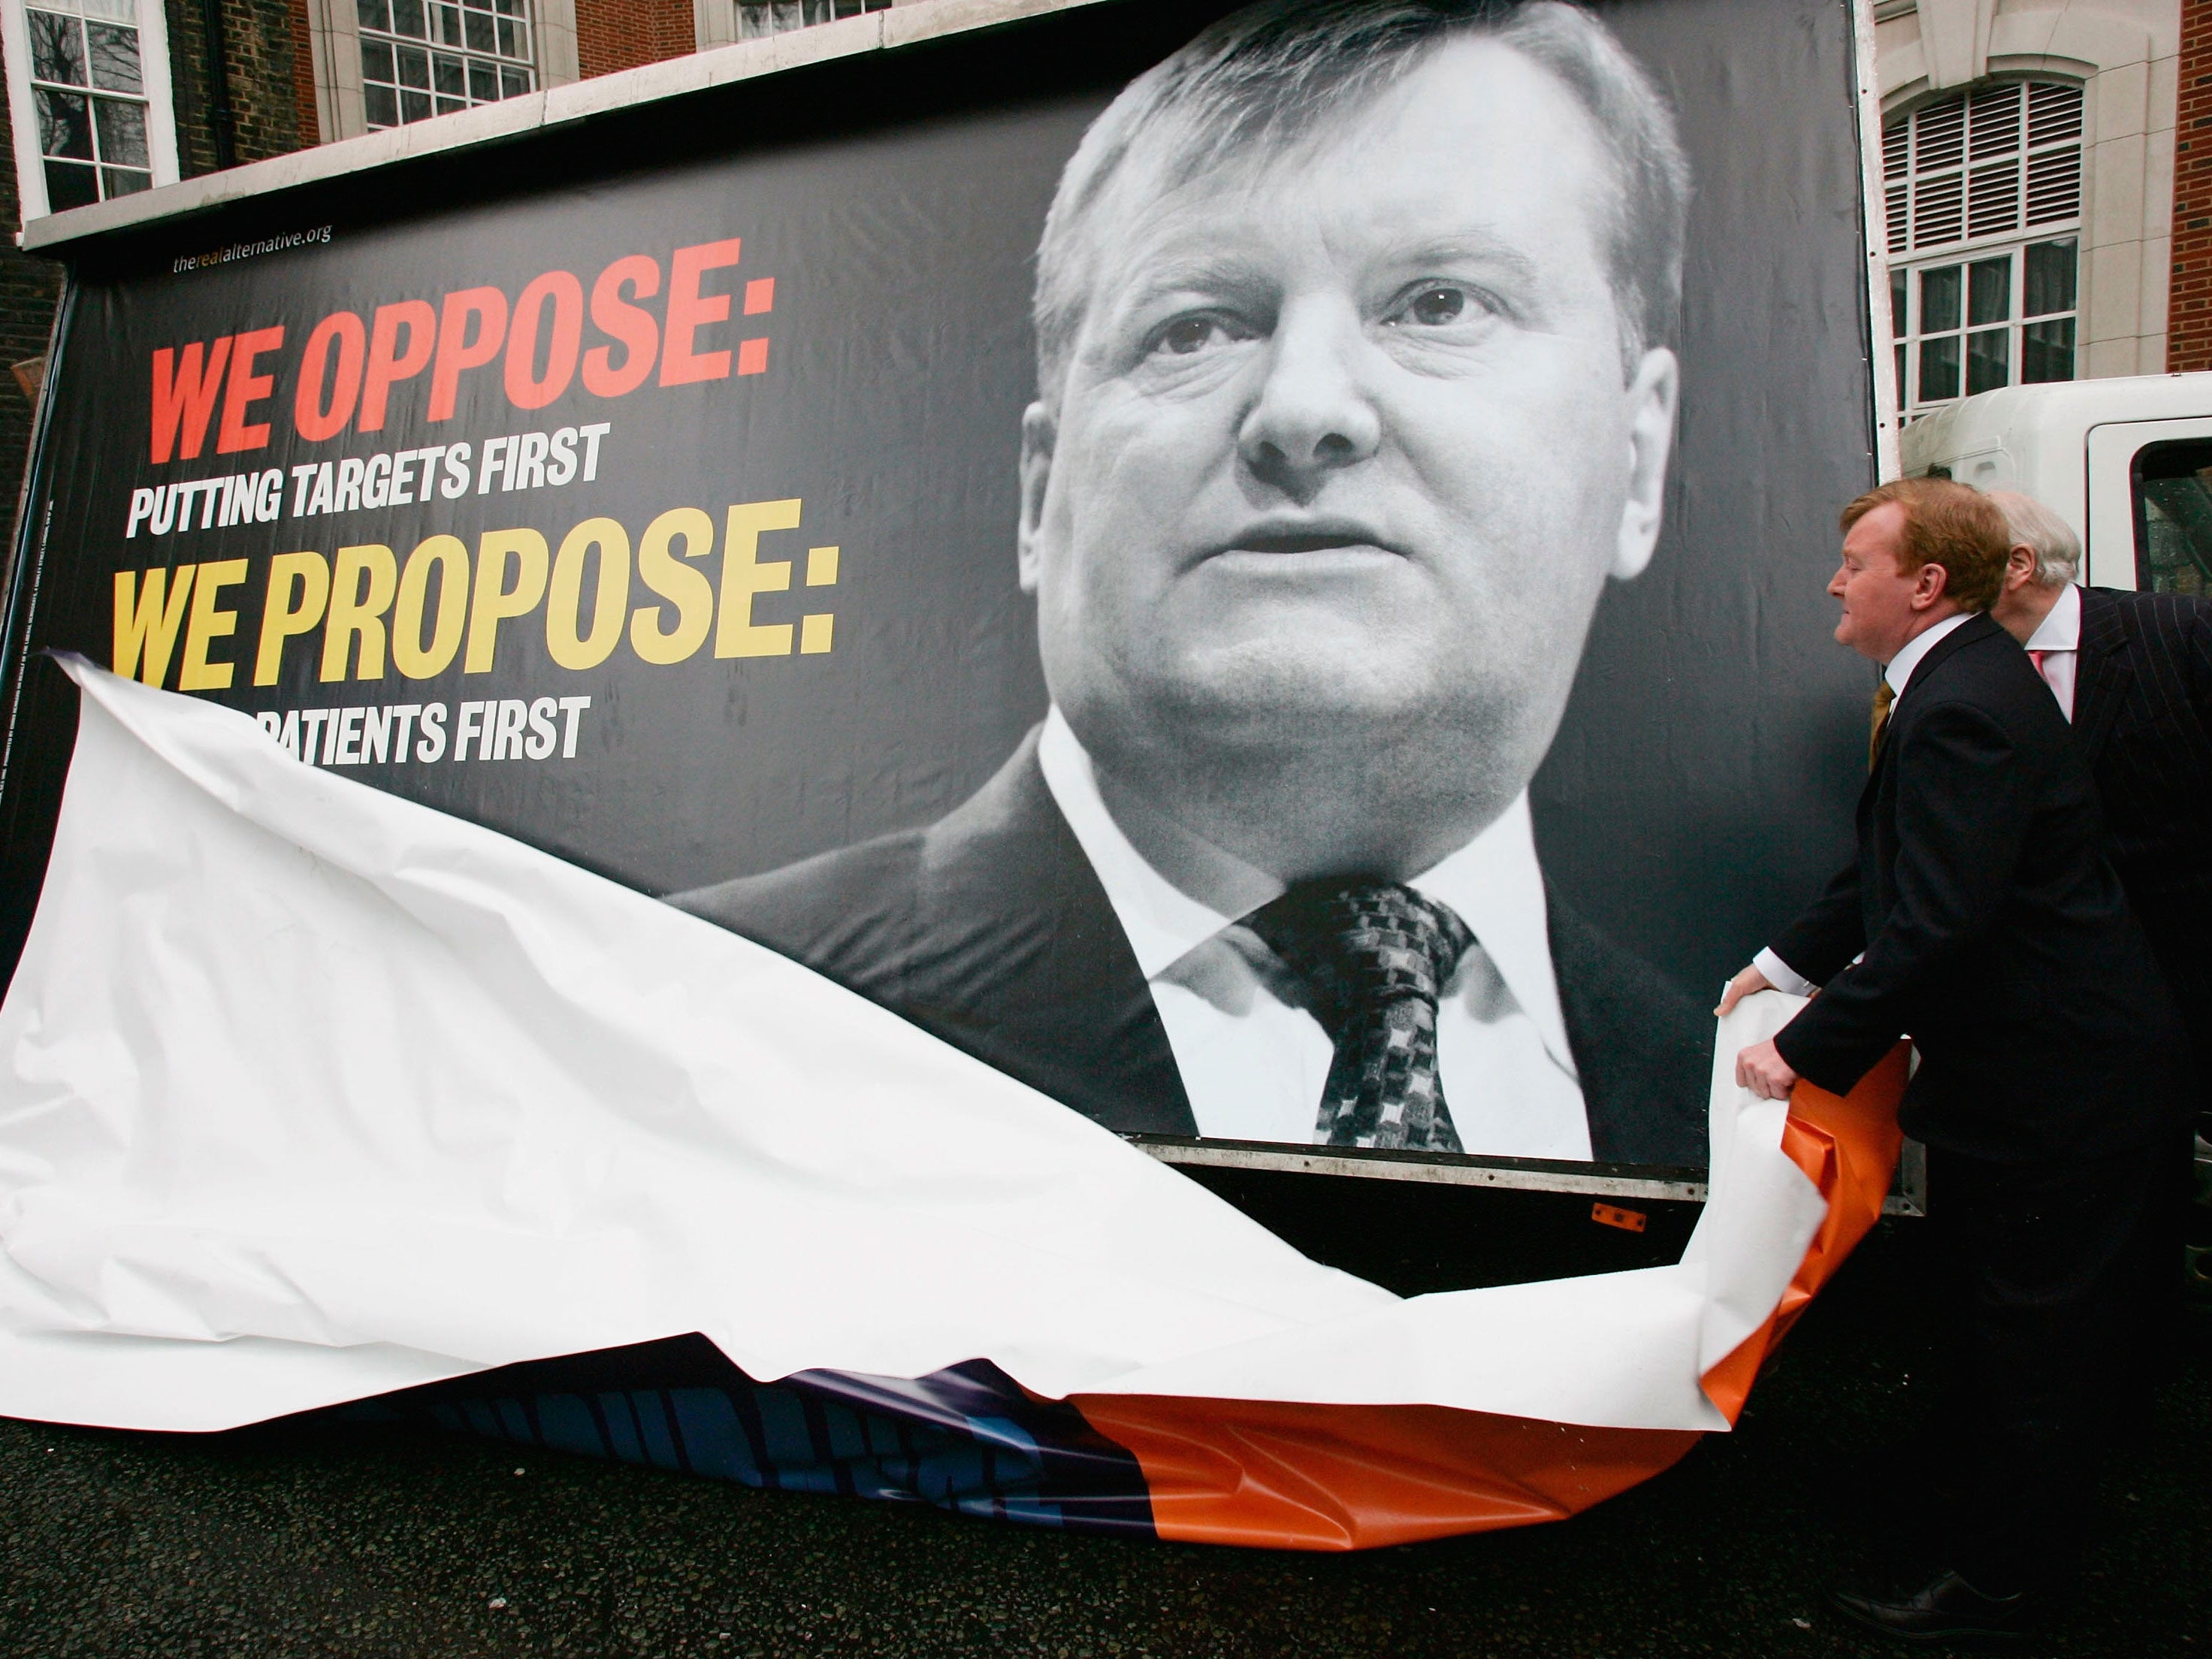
309 1093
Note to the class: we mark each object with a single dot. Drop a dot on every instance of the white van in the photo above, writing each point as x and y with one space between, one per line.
2127 462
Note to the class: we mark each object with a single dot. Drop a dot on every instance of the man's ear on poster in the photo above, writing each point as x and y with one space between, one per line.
1652 395
1039 432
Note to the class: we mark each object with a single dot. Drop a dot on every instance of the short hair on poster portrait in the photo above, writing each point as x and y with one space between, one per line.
1261 78
1946 523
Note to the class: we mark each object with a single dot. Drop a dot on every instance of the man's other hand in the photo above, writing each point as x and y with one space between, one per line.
1764 1072
1741 987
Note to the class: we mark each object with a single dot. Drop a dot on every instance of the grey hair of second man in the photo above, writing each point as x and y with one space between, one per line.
2035 526
1264 77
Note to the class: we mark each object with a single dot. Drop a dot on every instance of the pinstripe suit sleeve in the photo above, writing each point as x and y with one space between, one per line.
2151 778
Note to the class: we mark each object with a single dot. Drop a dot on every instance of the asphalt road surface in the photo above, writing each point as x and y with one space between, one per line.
322 1540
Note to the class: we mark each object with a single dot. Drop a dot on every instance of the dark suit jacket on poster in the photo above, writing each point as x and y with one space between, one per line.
2143 717
989 929
1994 929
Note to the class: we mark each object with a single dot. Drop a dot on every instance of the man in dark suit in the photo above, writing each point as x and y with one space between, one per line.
1338 441
2133 673
1981 917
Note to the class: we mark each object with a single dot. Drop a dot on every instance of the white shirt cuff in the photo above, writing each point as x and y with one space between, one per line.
1782 976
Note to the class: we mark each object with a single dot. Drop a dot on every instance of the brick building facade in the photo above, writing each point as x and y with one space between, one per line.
2189 344
611 38
235 68
29 288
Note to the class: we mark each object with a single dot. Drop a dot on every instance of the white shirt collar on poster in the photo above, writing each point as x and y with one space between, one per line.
1254 1060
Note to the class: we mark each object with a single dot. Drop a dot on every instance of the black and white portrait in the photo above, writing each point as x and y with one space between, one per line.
1356 387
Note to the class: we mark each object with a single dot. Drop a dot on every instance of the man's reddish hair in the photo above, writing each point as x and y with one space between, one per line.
1948 524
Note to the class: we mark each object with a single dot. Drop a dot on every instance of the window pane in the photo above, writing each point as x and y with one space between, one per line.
2050 279
1989 357
64 125
407 19
513 83
376 61
115 11
484 83
1939 369
381 107
2046 351
1902 389
413 67
122 181
449 106
1939 298
514 39
414 107
69 186
1989 290
787 16
1900 285
122 132
754 21
115 59
2173 517
451 80
481 34
448 20
57 49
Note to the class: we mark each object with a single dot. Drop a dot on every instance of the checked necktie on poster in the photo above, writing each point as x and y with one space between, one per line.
310 1093
1374 956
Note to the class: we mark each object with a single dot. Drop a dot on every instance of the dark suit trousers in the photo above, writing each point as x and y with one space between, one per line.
2052 1267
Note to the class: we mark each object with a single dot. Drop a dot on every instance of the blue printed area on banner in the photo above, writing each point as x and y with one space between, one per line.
966 1438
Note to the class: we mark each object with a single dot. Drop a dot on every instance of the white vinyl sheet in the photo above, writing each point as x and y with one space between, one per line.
308 1093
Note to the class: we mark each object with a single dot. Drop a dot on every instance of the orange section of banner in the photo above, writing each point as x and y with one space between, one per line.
1361 1477
1847 1146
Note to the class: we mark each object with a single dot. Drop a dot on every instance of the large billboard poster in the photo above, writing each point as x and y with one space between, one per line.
1274 597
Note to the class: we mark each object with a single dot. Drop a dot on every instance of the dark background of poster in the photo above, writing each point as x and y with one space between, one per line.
1698 789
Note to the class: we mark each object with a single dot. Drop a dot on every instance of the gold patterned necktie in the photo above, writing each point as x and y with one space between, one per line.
1883 697
1374 956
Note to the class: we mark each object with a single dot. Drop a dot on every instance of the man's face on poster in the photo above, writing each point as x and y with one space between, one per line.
1349 438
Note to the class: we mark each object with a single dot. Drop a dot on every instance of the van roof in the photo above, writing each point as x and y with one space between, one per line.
2027 415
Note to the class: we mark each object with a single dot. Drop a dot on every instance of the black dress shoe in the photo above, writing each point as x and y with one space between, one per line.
1947 1609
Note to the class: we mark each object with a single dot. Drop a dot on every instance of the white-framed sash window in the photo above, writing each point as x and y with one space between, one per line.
759 18
1983 193
425 58
88 97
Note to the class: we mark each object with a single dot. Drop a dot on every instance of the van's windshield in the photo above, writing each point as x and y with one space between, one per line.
2173 490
